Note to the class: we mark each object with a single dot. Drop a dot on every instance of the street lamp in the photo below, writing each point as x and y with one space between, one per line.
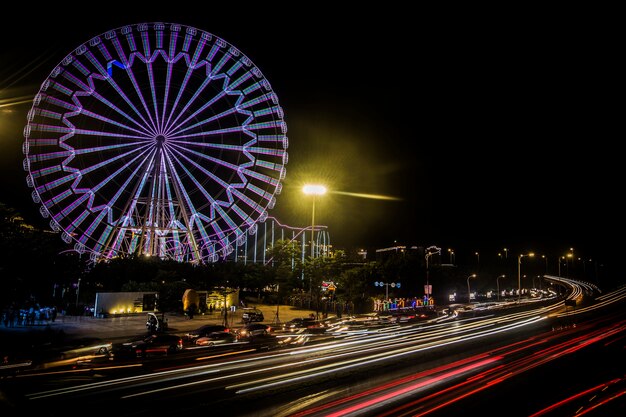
477 261
519 277
430 251
451 252
314 190
569 255
498 284
469 294
506 253
77 291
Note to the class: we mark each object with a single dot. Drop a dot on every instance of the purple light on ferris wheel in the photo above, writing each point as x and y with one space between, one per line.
157 139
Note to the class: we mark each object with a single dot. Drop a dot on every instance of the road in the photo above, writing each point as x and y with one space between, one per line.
513 361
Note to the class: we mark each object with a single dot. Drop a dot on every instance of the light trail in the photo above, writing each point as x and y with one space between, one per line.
368 196
348 353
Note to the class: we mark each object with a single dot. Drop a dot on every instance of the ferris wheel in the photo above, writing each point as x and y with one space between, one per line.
155 139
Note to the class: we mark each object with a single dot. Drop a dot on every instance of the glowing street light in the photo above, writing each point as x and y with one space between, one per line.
519 277
498 284
451 252
314 190
469 294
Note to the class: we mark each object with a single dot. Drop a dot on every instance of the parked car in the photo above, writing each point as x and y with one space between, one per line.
155 343
216 338
204 331
251 314
253 329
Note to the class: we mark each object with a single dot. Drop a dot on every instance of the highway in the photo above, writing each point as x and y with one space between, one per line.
474 361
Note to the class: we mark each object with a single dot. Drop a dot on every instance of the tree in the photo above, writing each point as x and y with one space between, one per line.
355 285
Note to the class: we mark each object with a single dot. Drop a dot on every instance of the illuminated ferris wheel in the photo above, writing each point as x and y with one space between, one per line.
155 139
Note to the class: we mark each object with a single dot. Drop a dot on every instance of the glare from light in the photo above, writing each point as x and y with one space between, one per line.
369 196
314 189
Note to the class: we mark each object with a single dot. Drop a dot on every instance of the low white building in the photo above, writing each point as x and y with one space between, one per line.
111 303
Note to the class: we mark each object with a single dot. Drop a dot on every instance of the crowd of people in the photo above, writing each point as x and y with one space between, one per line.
34 315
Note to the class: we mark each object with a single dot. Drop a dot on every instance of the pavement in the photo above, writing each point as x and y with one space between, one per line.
113 329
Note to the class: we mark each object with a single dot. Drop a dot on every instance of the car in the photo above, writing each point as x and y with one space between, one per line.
154 343
216 338
263 342
204 331
251 314
253 329
308 323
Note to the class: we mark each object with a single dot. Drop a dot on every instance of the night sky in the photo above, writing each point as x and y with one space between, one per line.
489 132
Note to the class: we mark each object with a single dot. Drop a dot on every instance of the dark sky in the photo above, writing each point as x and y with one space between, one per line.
491 132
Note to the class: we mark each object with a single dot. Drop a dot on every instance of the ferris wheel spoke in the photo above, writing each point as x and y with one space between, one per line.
216 205
166 94
255 150
127 214
107 120
142 99
177 131
83 238
172 125
125 64
242 169
209 174
128 66
154 97
101 134
168 78
193 215
122 168
89 91
181 90
181 145
145 40
202 108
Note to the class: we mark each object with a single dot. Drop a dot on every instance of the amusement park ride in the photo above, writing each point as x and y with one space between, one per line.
159 139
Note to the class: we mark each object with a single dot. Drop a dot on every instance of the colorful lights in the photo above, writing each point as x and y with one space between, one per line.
157 138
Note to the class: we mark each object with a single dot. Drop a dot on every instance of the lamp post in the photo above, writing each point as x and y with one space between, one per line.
313 190
546 258
451 252
569 255
430 251
498 284
519 277
77 291
477 261
506 253
469 293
